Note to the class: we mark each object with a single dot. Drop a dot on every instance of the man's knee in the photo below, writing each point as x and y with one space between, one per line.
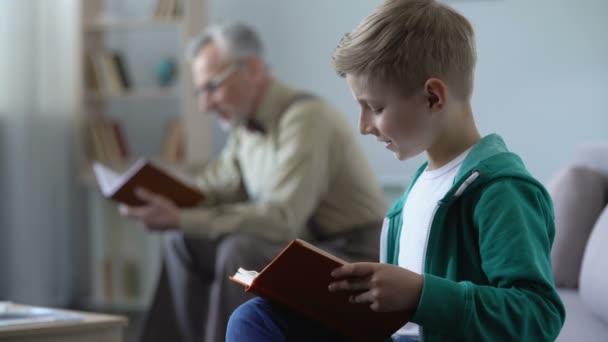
174 242
234 251
177 247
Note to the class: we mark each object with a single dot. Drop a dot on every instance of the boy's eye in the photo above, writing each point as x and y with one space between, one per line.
377 110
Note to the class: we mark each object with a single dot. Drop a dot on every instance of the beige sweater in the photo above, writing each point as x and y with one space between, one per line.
308 164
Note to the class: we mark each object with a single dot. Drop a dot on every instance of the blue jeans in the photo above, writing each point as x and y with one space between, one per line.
259 320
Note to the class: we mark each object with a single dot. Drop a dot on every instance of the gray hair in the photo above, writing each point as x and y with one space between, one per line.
240 40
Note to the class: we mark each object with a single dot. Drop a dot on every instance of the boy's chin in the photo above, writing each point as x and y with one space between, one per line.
400 157
403 156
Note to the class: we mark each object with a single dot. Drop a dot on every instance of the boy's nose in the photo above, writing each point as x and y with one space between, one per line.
365 127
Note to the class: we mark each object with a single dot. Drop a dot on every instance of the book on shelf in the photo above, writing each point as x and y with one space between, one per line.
146 174
173 146
298 278
106 141
121 69
107 72
121 141
168 9
91 75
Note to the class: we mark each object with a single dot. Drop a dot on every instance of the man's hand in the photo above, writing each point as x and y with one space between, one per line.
158 213
384 287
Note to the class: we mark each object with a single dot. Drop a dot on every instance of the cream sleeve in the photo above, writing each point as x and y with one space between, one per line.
300 182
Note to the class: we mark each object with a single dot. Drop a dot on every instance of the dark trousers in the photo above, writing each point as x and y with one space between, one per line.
194 297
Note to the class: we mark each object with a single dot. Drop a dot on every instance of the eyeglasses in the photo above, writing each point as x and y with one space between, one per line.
213 84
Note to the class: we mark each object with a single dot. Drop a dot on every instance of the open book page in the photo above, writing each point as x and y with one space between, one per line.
106 178
244 276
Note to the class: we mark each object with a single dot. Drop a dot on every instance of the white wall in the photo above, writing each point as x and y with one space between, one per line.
541 80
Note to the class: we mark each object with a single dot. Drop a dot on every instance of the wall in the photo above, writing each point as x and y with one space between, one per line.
540 82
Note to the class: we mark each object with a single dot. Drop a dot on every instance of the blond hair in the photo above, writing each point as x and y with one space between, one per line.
406 42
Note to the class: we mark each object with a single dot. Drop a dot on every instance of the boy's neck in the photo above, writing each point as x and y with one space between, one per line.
459 135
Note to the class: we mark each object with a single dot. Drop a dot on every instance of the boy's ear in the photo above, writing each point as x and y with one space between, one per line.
436 92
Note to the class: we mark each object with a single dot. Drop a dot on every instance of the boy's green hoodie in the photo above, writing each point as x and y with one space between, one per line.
487 269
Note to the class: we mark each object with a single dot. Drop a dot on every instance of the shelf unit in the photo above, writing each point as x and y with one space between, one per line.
125 259
135 94
128 24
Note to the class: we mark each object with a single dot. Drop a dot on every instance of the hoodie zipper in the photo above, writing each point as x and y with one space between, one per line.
458 192
426 243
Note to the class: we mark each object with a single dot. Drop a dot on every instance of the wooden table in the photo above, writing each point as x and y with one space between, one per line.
91 327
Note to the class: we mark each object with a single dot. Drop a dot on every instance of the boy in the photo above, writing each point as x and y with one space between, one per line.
467 247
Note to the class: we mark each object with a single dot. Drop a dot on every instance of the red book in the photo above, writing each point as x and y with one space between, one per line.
148 175
120 139
298 278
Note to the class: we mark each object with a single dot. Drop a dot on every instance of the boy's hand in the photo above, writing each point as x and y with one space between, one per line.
158 213
384 287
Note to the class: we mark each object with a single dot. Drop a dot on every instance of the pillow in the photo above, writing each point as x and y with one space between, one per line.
578 198
594 275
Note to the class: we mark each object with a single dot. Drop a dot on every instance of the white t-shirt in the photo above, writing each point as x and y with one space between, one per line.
418 211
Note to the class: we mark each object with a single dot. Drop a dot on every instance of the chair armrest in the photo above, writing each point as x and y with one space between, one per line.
593 156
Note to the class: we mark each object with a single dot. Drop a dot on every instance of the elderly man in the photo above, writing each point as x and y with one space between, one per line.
291 168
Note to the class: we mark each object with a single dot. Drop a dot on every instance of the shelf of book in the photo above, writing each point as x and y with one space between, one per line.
107 24
136 100
125 258
112 73
135 94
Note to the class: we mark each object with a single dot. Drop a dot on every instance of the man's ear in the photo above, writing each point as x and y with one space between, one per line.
435 91
255 65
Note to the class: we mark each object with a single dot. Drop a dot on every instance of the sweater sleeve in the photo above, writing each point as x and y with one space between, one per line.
514 221
299 182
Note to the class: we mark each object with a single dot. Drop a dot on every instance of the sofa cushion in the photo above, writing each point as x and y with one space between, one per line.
581 324
593 156
594 275
578 197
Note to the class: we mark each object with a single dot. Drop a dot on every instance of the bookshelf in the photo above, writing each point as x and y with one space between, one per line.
127 111
133 94
123 24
